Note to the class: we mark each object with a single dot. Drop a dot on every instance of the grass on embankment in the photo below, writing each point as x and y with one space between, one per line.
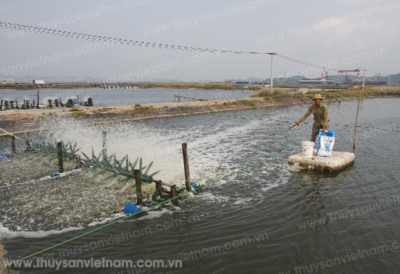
349 93
139 109
77 112
248 103
204 86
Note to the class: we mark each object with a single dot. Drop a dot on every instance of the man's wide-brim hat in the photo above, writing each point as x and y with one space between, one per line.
318 96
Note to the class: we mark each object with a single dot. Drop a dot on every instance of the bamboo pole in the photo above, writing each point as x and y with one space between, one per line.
38 93
104 143
13 148
28 145
174 193
60 158
138 187
186 165
358 108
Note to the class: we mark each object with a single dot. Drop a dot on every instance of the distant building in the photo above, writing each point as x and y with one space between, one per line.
8 82
39 82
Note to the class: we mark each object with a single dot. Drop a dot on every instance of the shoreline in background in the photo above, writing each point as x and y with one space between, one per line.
174 85
23 121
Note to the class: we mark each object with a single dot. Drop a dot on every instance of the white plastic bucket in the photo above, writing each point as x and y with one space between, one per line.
307 149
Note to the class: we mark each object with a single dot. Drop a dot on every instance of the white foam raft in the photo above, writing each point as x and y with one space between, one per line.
338 162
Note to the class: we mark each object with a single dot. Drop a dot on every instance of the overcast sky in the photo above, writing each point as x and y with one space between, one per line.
336 34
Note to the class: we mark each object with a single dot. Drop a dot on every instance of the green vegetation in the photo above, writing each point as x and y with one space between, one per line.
277 94
140 109
349 93
372 91
246 103
354 92
101 110
44 116
77 112
204 86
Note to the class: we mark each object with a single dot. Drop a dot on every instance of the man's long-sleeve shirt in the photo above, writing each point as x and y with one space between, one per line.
321 117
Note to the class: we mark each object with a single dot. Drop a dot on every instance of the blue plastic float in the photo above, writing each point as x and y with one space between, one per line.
131 208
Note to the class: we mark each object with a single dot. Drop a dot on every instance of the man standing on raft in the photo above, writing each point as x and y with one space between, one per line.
321 117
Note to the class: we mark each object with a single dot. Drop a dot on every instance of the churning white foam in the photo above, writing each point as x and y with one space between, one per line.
5 233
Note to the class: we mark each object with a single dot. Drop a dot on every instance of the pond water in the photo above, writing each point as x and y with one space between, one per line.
254 216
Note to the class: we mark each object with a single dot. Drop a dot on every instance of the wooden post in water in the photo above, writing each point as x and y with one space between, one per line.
37 106
60 158
104 134
358 108
1 105
138 187
186 165
13 148
159 188
174 193
28 145
355 126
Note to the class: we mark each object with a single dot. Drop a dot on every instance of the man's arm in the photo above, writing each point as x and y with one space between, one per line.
305 116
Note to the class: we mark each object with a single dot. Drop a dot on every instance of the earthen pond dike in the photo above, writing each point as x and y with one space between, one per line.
29 120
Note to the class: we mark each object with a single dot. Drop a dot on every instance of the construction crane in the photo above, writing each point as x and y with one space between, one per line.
376 78
397 78
346 76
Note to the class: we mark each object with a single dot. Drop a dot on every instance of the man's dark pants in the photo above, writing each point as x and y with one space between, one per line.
314 132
